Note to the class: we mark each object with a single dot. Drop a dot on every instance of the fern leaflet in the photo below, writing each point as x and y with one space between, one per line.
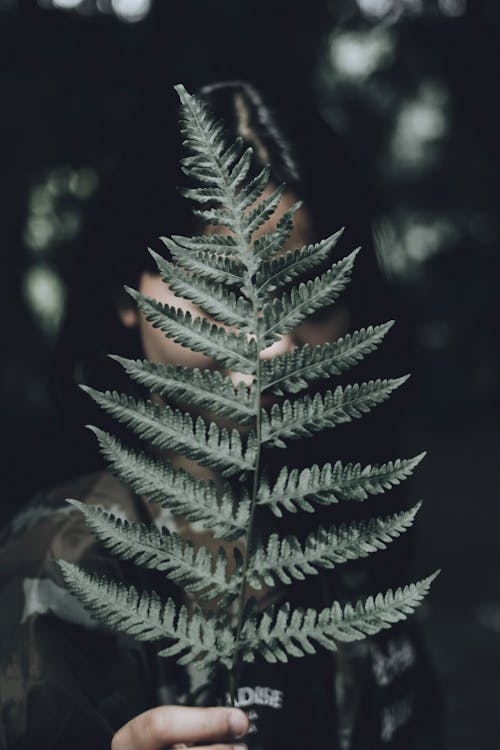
163 550
177 490
324 485
169 428
307 414
147 618
289 632
203 388
284 559
295 370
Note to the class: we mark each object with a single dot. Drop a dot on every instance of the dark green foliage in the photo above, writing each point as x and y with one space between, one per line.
245 283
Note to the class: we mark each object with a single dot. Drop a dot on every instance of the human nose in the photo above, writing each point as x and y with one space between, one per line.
284 344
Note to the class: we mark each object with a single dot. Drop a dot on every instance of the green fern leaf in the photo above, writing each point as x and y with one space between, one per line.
283 560
219 166
207 389
282 269
285 313
325 485
163 550
278 634
308 414
251 192
168 428
206 264
145 617
177 490
213 298
271 242
233 277
263 210
222 244
198 334
295 370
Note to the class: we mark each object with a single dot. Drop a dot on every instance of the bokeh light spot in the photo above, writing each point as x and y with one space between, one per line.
405 241
131 10
45 294
419 124
66 4
358 54
453 8
54 206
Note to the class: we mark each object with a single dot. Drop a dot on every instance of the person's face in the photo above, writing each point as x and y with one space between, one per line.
158 348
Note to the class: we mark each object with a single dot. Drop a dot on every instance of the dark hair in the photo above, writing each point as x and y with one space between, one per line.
245 113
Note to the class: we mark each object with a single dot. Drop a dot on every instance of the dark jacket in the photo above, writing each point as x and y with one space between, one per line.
67 683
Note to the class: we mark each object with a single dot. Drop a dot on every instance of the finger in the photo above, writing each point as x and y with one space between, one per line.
238 746
166 725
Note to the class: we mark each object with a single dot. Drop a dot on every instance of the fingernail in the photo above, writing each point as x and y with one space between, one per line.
238 723
240 747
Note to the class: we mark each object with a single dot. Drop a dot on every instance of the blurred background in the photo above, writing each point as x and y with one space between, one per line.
409 89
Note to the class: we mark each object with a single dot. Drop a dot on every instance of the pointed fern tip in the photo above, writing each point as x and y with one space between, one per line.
156 256
402 380
66 569
92 392
432 577
132 292
96 430
72 501
416 508
118 358
181 91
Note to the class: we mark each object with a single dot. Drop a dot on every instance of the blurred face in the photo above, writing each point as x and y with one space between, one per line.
158 348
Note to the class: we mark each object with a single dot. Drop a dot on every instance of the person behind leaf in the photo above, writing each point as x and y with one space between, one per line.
64 681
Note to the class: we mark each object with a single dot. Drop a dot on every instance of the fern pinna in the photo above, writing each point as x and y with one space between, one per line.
251 287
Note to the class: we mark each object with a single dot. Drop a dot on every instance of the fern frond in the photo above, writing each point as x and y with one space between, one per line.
169 428
295 370
206 264
328 484
263 210
211 159
207 389
285 313
176 490
222 244
282 269
253 287
222 305
221 169
231 350
286 632
144 616
285 559
251 192
308 414
163 550
269 244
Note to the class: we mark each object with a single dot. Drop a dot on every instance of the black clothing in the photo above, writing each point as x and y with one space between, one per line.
66 683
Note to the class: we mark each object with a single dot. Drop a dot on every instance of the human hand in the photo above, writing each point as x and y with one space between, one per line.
183 726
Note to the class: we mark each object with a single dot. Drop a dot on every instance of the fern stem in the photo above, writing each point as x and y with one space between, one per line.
249 534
